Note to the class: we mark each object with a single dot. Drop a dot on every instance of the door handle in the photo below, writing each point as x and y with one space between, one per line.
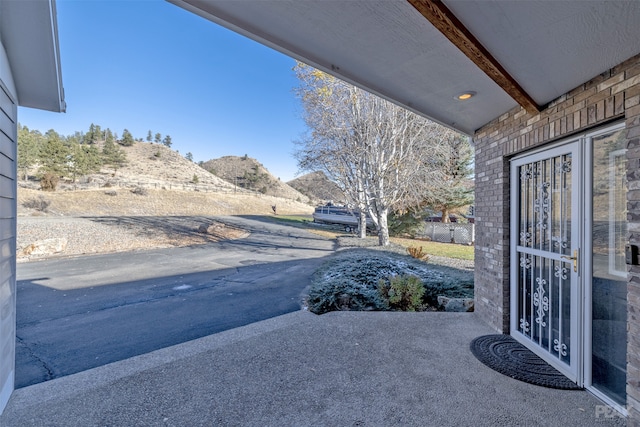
573 258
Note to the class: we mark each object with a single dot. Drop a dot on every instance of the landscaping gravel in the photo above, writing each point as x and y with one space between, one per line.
115 234
93 235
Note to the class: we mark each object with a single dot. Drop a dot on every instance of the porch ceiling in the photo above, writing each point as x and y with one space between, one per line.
390 48
29 33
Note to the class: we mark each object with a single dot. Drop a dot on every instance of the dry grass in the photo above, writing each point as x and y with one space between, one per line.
448 250
156 203
421 247
165 181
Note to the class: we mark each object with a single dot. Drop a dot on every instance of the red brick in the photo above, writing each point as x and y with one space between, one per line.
591 114
618 104
632 71
584 118
577 106
558 100
587 93
625 65
632 91
598 97
631 101
633 111
565 104
625 84
610 82
575 91
598 79
608 107
555 116
570 123
600 110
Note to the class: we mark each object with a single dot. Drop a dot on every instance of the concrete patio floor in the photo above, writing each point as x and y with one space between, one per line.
338 369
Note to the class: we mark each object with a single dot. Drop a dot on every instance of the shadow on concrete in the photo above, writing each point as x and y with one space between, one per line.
61 332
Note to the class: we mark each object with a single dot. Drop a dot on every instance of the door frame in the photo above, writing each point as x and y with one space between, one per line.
584 210
575 369
588 267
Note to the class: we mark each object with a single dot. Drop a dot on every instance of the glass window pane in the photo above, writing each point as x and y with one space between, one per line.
609 284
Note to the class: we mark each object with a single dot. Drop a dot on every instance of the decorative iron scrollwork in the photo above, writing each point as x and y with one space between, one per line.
561 348
525 262
541 301
541 205
525 173
561 272
560 242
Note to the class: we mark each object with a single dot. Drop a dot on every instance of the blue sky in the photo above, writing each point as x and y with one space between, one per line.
149 65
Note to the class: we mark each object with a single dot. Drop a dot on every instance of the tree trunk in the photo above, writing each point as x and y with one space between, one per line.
362 208
383 228
362 224
445 215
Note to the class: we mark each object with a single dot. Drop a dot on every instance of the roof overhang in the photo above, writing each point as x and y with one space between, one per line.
398 49
29 34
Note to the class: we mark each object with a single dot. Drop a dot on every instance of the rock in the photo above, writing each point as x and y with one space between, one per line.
215 229
210 229
442 301
455 304
46 247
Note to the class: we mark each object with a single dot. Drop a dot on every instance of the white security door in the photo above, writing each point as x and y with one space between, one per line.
545 224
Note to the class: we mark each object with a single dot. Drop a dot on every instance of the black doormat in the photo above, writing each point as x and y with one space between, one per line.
504 354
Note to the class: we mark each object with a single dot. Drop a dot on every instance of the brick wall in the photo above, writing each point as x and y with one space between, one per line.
612 95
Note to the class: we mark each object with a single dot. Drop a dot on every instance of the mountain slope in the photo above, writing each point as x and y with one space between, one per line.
318 187
248 173
155 181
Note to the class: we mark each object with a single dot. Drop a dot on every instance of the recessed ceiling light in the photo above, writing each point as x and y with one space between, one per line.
465 95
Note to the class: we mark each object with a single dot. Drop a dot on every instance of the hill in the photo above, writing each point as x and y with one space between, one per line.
155 181
318 188
249 174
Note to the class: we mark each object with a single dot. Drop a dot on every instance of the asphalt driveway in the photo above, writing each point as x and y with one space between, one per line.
79 313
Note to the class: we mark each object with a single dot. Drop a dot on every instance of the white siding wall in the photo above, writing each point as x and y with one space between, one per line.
8 209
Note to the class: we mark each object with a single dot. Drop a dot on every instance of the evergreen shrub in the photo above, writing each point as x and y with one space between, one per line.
351 281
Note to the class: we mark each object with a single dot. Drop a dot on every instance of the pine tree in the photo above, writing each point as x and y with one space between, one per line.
84 159
113 155
53 154
29 143
98 133
158 138
108 137
167 141
455 189
91 137
189 156
149 137
127 138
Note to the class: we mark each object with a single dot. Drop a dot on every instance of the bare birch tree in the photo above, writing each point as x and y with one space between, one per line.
382 156
332 143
